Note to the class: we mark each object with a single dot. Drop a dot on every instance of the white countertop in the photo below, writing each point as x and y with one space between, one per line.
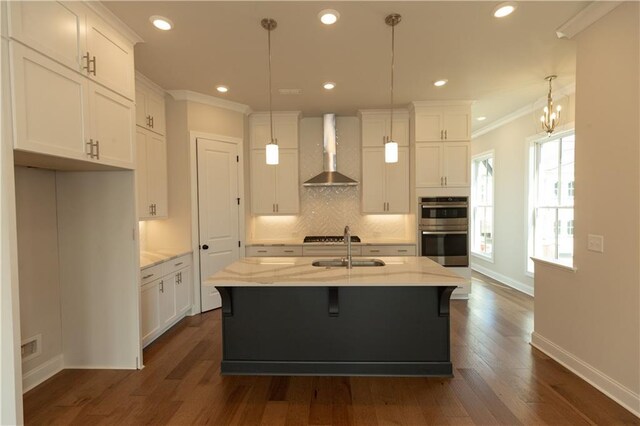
298 272
152 258
299 242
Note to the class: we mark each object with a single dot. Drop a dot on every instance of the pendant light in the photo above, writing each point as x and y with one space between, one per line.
272 147
549 117
391 146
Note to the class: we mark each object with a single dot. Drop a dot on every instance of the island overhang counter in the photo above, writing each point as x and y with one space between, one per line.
284 316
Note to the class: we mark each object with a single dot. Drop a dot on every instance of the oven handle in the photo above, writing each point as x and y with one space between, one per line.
443 205
444 232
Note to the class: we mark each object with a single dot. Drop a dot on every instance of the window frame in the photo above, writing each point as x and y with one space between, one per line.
532 187
476 158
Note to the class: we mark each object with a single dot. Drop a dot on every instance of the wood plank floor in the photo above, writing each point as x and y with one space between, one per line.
499 379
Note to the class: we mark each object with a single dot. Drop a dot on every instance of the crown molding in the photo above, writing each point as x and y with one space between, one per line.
188 95
417 104
141 78
527 109
587 16
114 21
402 112
276 113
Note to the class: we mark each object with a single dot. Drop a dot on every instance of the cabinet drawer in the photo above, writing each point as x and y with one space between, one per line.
330 251
173 265
151 273
277 251
400 250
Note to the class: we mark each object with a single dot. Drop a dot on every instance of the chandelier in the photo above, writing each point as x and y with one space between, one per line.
549 117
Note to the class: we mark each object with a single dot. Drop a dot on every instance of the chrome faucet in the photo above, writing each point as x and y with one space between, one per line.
347 240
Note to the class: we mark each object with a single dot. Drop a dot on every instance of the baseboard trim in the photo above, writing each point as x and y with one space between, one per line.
596 378
516 285
44 371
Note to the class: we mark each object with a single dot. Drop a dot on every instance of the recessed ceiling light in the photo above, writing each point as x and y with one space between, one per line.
222 89
329 16
482 118
161 23
440 83
504 9
329 85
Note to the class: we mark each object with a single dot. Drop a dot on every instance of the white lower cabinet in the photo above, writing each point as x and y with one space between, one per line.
165 300
388 250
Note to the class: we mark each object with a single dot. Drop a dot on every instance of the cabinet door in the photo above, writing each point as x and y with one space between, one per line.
183 290
150 310
263 184
50 105
397 183
374 130
114 57
285 129
155 109
112 125
53 28
157 174
429 165
142 181
456 166
457 124
141 109
287 187
428 124
373 180
167 300
400 131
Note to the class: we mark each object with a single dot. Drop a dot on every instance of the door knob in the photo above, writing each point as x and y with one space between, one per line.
205 247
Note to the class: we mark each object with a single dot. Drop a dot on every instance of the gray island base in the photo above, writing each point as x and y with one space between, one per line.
272 325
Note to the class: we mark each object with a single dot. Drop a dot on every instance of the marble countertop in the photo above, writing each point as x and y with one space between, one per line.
299 242
152 258
298 272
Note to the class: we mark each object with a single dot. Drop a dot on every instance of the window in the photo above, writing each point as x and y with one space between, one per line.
482 206
551 192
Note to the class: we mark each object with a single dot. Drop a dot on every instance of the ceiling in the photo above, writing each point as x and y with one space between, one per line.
498 63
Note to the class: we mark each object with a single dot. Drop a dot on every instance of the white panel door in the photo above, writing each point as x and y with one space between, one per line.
456 164
457 124
142 181
141 109
155 109
286 131
218 212
183 290
112 125
157 174
50 105
287 188
114 57
429 125
263 184
397 183
373 196
400 131
429 165
374 129
150 310
53 28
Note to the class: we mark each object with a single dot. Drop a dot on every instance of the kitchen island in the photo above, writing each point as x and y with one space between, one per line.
284 316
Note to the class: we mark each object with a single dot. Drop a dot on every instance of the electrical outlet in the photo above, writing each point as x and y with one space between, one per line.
31 347
595 243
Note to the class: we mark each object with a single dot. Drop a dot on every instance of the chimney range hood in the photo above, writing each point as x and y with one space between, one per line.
330 175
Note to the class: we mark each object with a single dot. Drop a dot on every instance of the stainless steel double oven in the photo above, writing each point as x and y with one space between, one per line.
444 230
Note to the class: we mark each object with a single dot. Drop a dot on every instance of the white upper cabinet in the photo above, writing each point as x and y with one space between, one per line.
285 129
110 57
385 187
275 189
150 109
436 123
376 127
41 87
151 175
443 164
39 24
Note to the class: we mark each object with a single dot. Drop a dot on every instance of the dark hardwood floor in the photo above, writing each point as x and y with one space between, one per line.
499 379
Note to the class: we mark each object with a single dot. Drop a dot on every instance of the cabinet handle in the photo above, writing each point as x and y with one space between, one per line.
162 286
262 251
147 276
97 149
179 263
441 181
152 122
441 134
90 145
288 251
445 134
445 181
148 117
402 251
374 251
277 208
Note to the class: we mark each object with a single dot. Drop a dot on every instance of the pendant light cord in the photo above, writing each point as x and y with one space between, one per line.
270 90
393 44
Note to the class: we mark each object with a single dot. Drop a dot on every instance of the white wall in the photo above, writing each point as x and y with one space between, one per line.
326 210
510 146
38 262
590 319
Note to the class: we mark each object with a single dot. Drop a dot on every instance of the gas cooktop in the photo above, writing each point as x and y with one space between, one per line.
329 239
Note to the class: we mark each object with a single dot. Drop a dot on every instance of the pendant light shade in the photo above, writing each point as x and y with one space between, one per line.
391 146
272 154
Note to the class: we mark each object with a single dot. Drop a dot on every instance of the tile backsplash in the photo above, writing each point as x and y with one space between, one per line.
326 210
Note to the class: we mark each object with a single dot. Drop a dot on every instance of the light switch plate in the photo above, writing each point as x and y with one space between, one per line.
595 243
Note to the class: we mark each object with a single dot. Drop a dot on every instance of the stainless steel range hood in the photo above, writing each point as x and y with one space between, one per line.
330 175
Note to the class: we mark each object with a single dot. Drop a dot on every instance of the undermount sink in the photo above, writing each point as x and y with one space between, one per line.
342 263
